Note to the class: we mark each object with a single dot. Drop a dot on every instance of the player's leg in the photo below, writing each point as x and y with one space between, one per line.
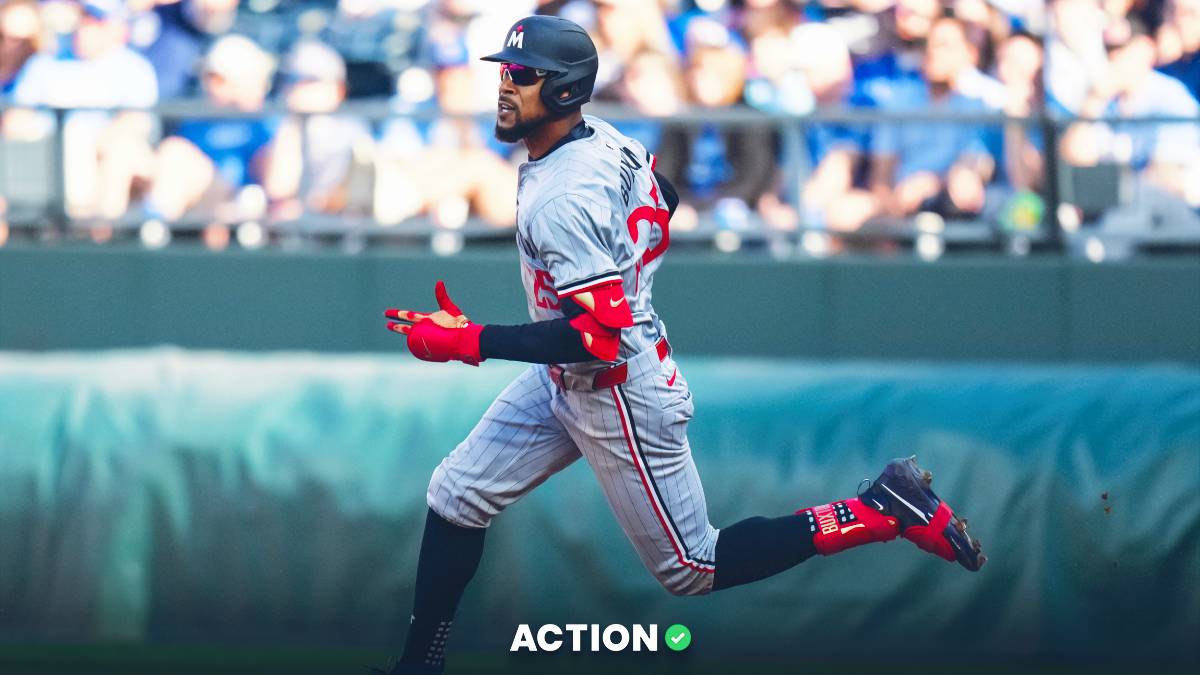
515 447
634 437
650 417
897 504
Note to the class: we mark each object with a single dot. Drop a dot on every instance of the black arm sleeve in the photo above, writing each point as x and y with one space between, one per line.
553 341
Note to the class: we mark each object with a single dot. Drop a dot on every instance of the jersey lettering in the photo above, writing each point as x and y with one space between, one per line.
526 246
629 165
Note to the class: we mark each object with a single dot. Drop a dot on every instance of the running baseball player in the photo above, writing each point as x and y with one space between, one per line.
593 223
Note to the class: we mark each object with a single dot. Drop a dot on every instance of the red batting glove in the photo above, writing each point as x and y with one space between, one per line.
442 336
430 342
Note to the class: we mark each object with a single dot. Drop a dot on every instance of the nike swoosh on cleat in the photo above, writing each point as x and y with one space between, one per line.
905 502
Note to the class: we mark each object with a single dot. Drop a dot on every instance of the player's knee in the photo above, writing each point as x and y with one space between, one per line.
683 581
458 504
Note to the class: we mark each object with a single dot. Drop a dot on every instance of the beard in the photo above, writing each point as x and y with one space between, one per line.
520 128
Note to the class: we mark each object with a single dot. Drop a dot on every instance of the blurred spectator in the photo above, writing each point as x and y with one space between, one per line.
312 156
921 166
1167 155
96 69
758 18
206 162
835 194
1019 68
1075 58
20 39
1179 43
173 34
776 82
895 58
711 165
447 168
971 81
625 28
377 39
650 85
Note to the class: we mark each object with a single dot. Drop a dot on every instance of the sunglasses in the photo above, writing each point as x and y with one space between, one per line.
520 75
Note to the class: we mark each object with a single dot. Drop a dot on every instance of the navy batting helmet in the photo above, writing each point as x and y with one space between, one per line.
563 50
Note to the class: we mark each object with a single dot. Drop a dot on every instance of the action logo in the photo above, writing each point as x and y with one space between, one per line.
580 637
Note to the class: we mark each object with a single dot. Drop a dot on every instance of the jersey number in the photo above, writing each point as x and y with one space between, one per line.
543 290
655 216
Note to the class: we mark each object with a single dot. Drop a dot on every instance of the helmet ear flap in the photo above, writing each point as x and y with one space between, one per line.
563 98
553 94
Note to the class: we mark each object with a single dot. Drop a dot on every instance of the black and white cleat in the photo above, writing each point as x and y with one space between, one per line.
903 492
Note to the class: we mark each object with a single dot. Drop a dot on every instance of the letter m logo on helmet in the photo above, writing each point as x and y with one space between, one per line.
516 38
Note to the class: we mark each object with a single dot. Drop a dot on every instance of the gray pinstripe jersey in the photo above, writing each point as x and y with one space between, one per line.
586 215
589 213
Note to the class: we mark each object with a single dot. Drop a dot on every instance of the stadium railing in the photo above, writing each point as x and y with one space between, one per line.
1094 211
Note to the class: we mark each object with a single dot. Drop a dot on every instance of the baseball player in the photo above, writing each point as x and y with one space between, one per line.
593 223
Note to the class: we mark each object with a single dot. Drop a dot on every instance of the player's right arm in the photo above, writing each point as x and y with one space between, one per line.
566 234
581 335
575 338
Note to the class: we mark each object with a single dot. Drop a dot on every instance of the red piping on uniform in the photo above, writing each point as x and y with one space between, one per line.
649 494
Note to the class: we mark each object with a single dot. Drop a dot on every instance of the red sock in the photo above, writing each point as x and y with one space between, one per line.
848 523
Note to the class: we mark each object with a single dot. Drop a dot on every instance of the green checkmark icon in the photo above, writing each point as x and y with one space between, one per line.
678 637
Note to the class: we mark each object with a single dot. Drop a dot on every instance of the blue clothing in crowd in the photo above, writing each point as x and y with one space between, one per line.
928 146
1187 71
231 144
176 50
1159 96
646 132
823 138
708 166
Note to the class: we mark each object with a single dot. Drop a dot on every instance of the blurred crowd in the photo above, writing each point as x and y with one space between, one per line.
288 146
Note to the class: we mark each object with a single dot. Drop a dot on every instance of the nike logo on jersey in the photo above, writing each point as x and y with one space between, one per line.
671 381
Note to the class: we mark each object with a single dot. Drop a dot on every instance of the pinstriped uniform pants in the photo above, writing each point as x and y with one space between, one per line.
634 437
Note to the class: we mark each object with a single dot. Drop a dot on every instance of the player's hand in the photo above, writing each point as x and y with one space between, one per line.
440 336
449 316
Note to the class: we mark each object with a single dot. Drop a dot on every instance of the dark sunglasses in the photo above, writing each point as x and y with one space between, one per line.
520 75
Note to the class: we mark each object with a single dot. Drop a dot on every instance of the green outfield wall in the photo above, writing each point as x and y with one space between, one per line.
169 495
1050 309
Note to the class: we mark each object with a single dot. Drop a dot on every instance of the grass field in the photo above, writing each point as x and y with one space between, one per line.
194 660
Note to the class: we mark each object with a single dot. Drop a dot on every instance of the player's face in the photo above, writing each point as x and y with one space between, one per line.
519 107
